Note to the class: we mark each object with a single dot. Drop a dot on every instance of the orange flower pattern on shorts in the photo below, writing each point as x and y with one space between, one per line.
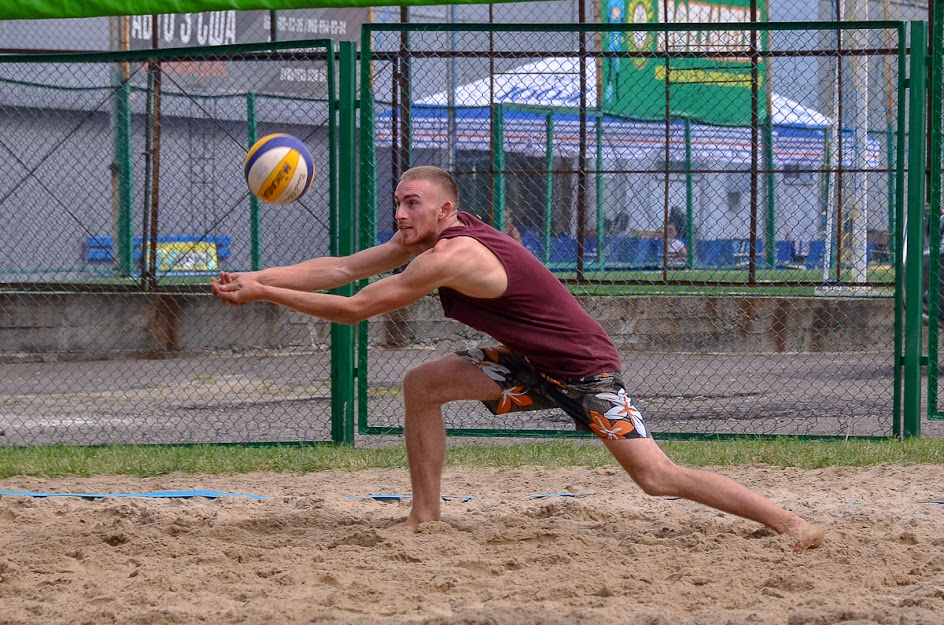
604 428
622 410
487 360
514 396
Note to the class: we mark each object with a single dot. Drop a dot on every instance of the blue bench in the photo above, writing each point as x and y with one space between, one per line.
633 252
173 252
784 253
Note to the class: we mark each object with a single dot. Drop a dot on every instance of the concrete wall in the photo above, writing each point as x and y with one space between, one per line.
91 326
79 326
697 324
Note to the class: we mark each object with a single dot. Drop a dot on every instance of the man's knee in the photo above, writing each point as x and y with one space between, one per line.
424 383
415 381
448 379
646 464
412 379
658 479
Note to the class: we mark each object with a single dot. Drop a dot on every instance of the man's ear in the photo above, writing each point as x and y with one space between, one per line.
445 209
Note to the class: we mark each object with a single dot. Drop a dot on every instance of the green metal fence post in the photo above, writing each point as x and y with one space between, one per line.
367 214
498 167
770 231
901 162
601 217
122 170
342 336
689 233
917 115
891 139
934 218
548 185
255 220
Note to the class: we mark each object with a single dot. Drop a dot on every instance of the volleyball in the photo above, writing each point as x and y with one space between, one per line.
279 169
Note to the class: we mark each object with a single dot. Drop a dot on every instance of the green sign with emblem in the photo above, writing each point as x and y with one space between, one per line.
708 77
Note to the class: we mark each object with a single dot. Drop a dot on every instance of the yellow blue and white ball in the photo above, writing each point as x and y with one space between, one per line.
279 169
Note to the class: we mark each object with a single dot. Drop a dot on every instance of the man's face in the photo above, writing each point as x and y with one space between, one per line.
420 207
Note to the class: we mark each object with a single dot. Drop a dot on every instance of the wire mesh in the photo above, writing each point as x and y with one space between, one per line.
122 186
745 271
780 309
933 275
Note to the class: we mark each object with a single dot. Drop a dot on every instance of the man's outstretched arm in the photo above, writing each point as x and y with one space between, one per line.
328 272
426 273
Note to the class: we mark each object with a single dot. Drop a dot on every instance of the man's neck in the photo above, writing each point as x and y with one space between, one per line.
450 221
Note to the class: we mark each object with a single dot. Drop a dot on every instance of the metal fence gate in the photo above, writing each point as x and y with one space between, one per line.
780 314
931 280
780 307
122 192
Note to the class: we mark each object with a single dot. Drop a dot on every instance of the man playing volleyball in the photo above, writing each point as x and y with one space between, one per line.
550 352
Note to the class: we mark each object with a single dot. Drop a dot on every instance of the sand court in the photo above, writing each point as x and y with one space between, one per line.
521 546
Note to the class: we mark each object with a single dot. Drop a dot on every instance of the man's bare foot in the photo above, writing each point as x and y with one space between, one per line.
411 523
806 536
405 524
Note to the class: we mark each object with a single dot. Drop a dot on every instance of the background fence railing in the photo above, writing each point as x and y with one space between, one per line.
122 194
772 308
784 315
933 275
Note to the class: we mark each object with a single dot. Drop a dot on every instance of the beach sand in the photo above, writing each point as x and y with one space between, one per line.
319 549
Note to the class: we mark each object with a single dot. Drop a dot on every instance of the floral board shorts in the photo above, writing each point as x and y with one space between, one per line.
597 404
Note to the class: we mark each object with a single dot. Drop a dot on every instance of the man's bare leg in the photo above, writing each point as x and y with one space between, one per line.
656 474
425 389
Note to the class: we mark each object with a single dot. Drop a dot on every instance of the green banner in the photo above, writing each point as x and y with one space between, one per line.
714 87
54 9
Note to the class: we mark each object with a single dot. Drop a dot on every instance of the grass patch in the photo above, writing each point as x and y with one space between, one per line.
154 460
768 282
807 454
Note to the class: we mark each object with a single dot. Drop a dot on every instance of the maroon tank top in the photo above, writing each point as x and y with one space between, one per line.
536 317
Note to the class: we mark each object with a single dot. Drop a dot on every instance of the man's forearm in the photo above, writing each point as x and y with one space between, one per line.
328 272
335 308
318 274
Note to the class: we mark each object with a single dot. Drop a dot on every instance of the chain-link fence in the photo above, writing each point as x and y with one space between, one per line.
933 276
770 310
736 244
121 187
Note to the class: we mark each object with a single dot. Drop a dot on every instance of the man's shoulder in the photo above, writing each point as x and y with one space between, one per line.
463 251
456 247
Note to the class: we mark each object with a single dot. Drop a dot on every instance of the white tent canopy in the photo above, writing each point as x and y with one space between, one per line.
555 82
550 87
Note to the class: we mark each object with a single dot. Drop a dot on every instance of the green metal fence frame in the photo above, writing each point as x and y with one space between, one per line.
343 372
121 110
352 192
913 317
935 156
340 65
907 322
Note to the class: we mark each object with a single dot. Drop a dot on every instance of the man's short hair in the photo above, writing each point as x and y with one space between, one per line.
439 177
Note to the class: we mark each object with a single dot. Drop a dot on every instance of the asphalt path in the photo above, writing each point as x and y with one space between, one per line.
271 397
